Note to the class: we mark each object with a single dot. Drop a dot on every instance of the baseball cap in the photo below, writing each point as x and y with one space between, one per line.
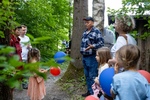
88 19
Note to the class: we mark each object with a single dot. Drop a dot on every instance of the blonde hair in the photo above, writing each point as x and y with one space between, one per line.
125 22
104 55
128 56
33 53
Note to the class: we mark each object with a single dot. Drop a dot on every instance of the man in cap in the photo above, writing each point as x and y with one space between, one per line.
90 42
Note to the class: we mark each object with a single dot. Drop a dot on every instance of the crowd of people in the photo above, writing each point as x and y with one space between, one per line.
21 42
123 56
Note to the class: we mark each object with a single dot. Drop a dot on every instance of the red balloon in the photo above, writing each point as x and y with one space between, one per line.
91 97
145 74
55 71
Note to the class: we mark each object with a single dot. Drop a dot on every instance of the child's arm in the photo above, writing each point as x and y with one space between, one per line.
148 92
112 93
114 87
40 70
40 79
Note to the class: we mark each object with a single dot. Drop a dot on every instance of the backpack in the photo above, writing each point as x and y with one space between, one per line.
109 37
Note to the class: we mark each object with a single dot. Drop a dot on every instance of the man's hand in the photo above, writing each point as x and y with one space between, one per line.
89 47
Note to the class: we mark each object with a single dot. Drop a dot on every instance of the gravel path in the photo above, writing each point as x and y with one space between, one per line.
53 91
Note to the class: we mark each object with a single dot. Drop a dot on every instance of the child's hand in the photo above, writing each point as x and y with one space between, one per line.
96 80
43 70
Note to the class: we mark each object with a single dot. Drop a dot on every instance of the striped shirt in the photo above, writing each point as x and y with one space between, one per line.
94 37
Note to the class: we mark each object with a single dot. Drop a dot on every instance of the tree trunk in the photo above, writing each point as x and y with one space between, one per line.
75 69
5 92
144 62
80 12
98 13
5 40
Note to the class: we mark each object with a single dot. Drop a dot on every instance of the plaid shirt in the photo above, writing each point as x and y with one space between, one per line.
94 38
15 42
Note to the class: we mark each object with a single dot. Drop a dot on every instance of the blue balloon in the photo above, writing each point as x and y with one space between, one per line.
105 80
59 57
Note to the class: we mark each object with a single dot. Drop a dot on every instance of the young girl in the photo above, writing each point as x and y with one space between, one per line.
102 56
130 84
36 86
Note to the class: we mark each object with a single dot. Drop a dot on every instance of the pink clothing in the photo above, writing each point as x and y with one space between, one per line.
36 88
96 89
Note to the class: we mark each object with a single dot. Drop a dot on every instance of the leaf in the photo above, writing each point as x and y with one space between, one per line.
14 61
41 39
12 82
7 50
2 78
30 36
2 58
129 23
2 34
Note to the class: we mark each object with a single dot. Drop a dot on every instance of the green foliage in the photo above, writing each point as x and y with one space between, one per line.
6 16
11 75
136 8
48 18
48 24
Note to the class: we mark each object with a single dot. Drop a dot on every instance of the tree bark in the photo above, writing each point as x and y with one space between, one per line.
80 12
143 44
5 40
98 13
6 92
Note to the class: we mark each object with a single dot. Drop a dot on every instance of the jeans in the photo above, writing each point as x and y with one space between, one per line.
90 70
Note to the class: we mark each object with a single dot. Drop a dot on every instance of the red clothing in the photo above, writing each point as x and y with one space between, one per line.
15 42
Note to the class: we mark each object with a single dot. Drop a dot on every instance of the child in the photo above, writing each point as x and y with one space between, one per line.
102 56
36 86
130 84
